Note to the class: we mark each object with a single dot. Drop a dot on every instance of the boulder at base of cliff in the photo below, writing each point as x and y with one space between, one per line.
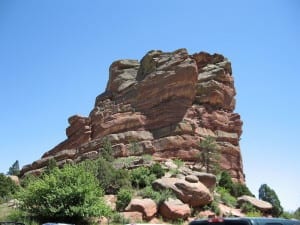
174 209
133 217
259 204
194 194
146 206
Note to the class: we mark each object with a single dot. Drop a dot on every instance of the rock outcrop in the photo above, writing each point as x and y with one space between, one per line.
261 205
146 206
165 104
174 209
194 194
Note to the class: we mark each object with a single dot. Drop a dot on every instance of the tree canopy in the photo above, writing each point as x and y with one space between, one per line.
209 156
269 195
67 194
14 169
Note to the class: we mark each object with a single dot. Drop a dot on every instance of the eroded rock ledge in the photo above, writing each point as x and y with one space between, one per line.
165 104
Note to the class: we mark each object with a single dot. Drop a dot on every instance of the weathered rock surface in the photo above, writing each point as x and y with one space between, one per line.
259 204
146 206
226 211
174 209
134 217
194 194
15 179
166 104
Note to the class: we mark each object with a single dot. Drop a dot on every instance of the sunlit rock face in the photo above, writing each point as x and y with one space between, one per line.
165 104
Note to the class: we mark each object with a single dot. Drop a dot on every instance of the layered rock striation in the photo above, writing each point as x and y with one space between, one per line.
165 104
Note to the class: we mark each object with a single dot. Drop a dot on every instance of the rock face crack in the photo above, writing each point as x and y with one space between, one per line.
166 104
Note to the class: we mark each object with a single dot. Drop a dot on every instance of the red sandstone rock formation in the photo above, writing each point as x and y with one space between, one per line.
166 104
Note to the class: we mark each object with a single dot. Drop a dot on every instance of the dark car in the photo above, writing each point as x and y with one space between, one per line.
245 221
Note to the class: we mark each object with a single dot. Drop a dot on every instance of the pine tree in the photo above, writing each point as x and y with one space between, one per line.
14 169
210 154
267 194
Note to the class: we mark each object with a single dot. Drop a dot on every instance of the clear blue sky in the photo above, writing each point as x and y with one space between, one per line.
55 55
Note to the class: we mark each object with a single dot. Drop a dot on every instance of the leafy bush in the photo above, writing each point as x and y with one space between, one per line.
118 218
51 165
7 187
178 221
178 162
163 196
22 217
110 179
67 194
269 195
239 189
225 180
235 189
106 150
148 192
214 207
157 170
250 210
123 162
123 198
226 197
158 197
297 214
147 158
141 177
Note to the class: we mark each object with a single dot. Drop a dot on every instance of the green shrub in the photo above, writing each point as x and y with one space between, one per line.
163 196
124 162
7 187
67 194
250 210
118 218
106 150
239 189
123 199
287 215
158 197
213 206
147 158
148 192
268 194
178 162
296 214
226 197
111 180
134 148
235 189
157 170
22 217
141 177
225 181
51 165
178 221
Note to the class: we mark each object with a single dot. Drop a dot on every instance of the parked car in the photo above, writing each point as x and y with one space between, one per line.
245 221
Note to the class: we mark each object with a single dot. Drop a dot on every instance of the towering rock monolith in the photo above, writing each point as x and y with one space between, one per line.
165 104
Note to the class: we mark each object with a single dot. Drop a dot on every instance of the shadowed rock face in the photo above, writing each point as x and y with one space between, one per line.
165 104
